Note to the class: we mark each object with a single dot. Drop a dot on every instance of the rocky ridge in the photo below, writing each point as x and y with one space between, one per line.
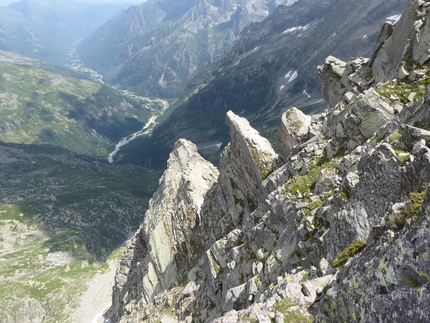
335 227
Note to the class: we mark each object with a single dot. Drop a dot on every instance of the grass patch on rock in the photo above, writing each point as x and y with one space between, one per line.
354 248
291 314
411 208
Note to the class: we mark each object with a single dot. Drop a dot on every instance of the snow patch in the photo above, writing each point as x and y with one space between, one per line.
293 29
199 211
394 19
365 36
307 94
291 76
282 86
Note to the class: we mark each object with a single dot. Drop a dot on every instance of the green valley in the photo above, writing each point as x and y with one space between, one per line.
43 104
61 216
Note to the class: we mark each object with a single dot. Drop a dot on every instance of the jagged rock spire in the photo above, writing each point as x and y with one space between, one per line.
405 43
158 253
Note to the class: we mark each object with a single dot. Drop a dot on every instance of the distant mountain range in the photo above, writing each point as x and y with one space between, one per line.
46 29
155 48
268 69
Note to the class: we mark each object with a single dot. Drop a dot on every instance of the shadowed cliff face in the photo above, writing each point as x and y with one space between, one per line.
335 227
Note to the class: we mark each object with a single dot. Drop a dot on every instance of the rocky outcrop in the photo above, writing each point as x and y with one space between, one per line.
336 227
294 129
405 44
159 253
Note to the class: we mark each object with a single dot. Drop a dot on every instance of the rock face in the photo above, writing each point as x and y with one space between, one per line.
156 257
407 42
294 129
335 227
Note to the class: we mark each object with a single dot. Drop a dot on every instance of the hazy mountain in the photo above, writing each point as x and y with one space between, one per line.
155 48
46 29
268 69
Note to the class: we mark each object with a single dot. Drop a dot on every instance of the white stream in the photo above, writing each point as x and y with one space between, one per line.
124 141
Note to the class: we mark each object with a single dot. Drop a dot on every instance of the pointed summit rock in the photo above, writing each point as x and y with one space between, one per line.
294 129
407 43
251 148
156 255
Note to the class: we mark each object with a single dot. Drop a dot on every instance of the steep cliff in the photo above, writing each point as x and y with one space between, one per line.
335 228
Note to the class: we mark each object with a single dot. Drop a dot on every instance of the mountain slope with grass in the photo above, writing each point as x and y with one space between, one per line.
44 104
62 216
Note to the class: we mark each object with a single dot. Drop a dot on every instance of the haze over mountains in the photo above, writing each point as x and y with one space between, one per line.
155 48
46 29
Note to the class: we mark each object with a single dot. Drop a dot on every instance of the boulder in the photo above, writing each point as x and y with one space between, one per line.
293 130
330 75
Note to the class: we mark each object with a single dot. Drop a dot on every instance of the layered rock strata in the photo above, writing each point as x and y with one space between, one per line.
336 226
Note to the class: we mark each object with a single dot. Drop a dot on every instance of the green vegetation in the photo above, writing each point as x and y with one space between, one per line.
344 194
354 248
290 316
305 184
411 208
55 203
315 204
402 156
404 88
396 135
417 200
42 106
412 282
306 276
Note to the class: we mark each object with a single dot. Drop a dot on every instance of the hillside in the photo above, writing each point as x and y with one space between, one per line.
155 48
44 104
62 216
333 228
269 68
